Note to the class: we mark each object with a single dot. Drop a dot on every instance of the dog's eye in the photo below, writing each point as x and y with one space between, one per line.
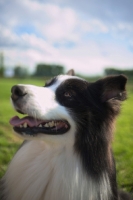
68 94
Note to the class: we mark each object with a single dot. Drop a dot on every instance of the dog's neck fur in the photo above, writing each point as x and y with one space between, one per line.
61 175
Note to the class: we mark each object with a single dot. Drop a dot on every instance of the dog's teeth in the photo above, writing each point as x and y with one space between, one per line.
51 124
46 125
40 125
56 123
25 125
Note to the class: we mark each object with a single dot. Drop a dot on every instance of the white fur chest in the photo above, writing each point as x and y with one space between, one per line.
40 172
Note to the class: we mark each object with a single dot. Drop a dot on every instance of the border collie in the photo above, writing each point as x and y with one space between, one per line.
68 133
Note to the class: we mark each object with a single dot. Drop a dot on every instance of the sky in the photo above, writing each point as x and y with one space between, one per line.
86 35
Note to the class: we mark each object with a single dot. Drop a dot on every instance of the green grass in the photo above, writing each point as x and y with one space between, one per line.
122 143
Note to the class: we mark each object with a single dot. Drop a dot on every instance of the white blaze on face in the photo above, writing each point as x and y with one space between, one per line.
42 102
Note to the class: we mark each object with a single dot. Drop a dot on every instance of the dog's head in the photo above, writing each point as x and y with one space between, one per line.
65 105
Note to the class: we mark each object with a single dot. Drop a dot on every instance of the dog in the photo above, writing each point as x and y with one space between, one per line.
68 130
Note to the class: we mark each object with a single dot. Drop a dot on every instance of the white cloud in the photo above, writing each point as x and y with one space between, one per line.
55 27
94 26
91 58
62 24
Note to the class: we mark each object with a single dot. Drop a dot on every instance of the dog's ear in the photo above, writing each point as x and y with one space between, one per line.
71 72
113 87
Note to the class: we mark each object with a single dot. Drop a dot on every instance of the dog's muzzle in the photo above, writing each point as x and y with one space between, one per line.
29 125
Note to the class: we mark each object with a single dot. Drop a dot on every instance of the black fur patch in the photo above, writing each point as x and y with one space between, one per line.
94 107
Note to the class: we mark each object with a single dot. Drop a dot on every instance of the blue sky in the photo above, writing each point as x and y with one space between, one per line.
86 35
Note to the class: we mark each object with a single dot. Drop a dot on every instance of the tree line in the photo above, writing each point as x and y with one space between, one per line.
50 70
41 70
113 71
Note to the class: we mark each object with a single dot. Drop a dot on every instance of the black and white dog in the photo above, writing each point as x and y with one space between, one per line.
68 132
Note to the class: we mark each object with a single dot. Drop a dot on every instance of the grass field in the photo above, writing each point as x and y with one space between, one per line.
123 137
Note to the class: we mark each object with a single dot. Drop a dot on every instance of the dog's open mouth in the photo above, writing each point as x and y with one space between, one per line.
31 126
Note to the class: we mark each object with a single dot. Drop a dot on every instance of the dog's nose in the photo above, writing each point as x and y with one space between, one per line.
17 92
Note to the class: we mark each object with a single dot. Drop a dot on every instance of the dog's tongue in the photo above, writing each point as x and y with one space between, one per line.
16 121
